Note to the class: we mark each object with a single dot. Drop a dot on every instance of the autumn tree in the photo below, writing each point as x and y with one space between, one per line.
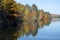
41 14
47 15
47 18
35 8
9 10
21 10
27 7
9 15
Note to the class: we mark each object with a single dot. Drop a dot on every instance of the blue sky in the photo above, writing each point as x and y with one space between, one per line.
52 6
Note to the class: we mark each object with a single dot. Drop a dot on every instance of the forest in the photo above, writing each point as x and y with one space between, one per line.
17 19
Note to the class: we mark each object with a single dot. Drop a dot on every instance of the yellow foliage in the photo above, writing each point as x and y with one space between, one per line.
16 15
26 12
26 28
20 8
4 1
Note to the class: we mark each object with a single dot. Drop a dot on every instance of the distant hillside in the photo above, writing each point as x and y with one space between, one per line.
55 16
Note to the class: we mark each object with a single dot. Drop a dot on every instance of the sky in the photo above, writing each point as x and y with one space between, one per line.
52 6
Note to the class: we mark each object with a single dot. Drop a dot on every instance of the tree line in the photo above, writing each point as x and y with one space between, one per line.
14 15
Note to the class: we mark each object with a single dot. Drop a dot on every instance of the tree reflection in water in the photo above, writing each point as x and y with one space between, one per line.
29 29
12 33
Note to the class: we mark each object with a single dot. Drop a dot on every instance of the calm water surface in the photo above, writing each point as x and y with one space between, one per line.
45 31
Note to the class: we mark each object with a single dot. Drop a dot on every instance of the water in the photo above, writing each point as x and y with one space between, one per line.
47 30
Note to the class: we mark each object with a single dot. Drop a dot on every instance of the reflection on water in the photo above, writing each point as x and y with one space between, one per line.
46 30
32 30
